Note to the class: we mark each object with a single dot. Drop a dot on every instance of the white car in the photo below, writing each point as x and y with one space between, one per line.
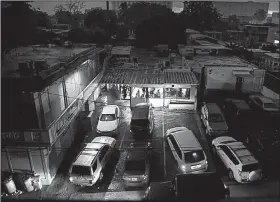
241 164
109 120
186 150
264 103
88 167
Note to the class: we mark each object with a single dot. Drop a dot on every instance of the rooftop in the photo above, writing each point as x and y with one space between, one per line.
191 31
274 55
147 74
258 50
222 61
52 56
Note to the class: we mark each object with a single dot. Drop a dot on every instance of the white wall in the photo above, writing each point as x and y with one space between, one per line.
269 93
223 79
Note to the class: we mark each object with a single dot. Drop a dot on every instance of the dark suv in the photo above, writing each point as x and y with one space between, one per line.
239 116
142 121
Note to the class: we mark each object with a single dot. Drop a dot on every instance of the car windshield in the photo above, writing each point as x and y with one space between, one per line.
107 117
250 167
216 118
80 170
135 165
270 105
194 156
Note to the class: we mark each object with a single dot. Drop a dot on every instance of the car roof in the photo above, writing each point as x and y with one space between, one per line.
213 108
142 105
109 109
240 104
244 155
88 154
138 154
141 112
187 140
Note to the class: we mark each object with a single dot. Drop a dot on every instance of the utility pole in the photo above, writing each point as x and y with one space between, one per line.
107 5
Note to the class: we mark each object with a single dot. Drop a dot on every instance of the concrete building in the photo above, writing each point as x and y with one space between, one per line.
44 91
257 33
271 62
116 4
244 11
273 35
275 18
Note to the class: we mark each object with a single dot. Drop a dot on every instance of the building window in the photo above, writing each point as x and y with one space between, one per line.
177 93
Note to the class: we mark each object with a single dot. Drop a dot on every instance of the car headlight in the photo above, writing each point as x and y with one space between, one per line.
183 168
71 179
144 177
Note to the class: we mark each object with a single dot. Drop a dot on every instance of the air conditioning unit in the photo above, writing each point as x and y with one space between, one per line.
24 69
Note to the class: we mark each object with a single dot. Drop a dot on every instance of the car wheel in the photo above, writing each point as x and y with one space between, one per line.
230 174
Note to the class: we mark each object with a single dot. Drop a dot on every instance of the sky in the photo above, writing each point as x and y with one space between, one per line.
48 6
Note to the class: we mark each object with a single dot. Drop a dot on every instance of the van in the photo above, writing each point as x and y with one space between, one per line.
142 121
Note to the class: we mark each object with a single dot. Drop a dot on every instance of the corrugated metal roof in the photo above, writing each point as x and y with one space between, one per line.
180 77
147 74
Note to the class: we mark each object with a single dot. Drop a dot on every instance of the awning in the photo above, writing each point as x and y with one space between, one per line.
241 73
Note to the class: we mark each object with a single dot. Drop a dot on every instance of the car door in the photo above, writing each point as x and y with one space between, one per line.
104 155
175 149
221 151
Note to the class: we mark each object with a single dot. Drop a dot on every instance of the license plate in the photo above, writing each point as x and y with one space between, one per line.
195 167
134 179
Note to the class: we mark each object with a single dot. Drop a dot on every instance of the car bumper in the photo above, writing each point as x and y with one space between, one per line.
108 133
138 184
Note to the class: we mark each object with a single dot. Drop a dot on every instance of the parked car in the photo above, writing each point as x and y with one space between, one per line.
240 118
205 186
213 119
263 104
88 167
241 164
142 121
109 120
186 150
137 165
264 142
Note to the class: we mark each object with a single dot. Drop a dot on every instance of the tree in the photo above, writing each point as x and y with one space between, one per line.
260 15
136 13
200 15
69 13
101 21
42 19
18 21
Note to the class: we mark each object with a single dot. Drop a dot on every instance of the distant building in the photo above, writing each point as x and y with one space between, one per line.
273 35
275 18
244 11
116 4
257 33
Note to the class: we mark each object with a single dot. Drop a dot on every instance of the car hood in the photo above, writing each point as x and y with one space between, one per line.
220 126
106 126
